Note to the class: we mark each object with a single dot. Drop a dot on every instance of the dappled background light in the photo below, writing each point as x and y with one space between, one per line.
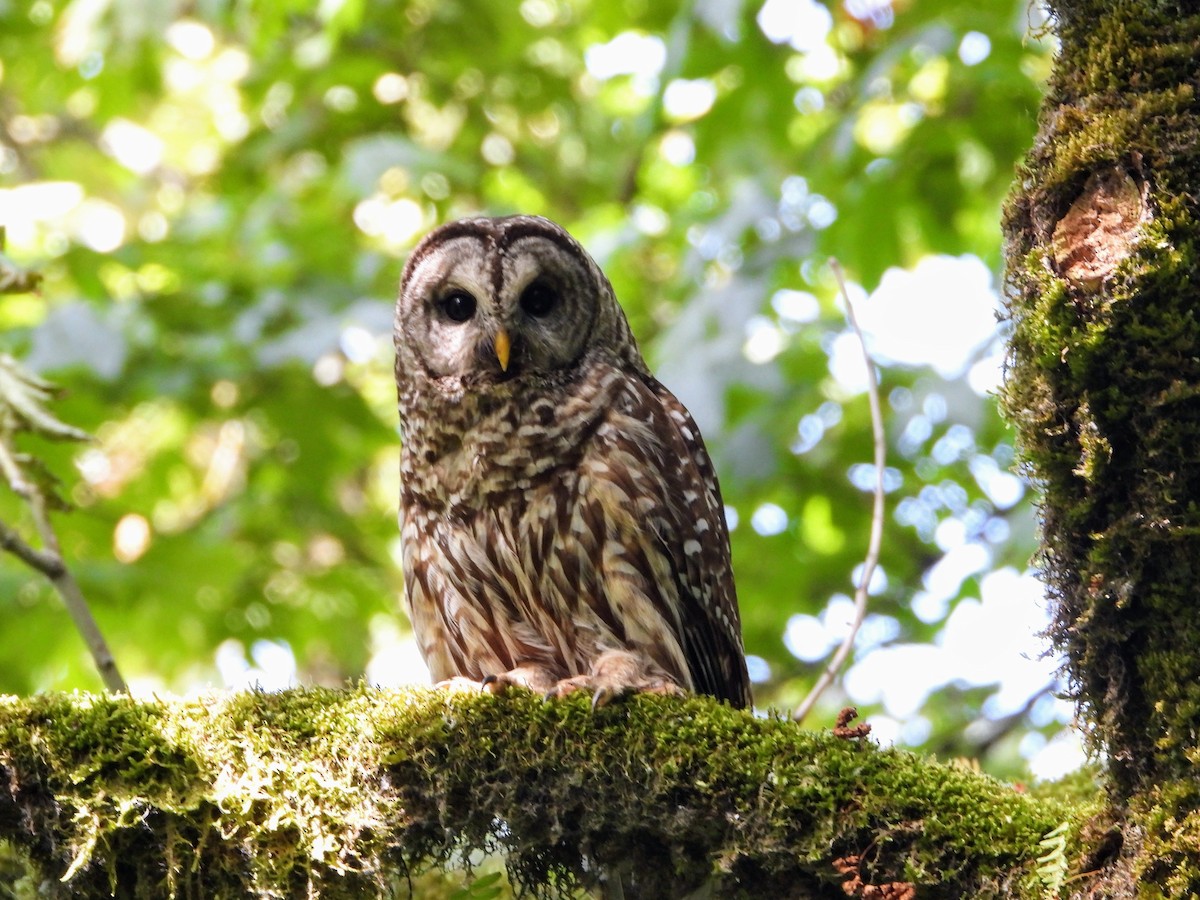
221 200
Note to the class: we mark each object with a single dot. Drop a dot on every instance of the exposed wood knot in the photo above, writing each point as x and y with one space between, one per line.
1099 230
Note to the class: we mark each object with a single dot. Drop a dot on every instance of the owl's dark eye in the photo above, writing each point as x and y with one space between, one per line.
539 299
458 306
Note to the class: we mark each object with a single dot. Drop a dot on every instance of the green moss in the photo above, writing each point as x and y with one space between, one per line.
1169 817
350 793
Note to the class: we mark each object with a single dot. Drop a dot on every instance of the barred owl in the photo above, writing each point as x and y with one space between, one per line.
561 523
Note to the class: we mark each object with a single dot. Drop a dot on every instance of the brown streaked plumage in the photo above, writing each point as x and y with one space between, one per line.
562 524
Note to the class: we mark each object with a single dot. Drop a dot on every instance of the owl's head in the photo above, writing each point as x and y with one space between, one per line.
491 302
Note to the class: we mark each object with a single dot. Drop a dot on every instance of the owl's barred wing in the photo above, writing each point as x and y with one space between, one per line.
713 637
660 495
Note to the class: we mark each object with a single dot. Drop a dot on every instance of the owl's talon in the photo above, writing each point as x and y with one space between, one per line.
568 686
496 684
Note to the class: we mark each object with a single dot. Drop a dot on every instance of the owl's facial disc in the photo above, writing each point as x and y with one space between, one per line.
497 303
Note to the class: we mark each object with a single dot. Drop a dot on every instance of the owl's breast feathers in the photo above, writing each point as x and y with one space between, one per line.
583 517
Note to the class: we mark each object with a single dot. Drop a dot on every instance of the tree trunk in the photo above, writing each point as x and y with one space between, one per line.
1104 388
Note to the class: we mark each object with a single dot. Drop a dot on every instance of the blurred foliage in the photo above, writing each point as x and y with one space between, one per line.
219 197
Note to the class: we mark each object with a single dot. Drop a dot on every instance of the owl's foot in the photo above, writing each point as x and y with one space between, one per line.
529 676
616 673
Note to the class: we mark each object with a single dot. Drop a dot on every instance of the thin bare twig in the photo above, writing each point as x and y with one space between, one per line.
876 538
50 563
46 563
72 595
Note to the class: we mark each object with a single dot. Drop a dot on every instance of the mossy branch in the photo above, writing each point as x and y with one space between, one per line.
353 793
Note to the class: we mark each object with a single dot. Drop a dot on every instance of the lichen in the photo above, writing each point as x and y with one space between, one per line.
355 793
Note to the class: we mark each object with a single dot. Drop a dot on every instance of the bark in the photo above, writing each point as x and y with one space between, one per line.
1104 388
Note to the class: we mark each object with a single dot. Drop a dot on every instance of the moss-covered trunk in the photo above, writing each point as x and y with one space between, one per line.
1104 281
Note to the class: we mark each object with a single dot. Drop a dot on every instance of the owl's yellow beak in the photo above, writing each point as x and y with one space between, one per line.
503 346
